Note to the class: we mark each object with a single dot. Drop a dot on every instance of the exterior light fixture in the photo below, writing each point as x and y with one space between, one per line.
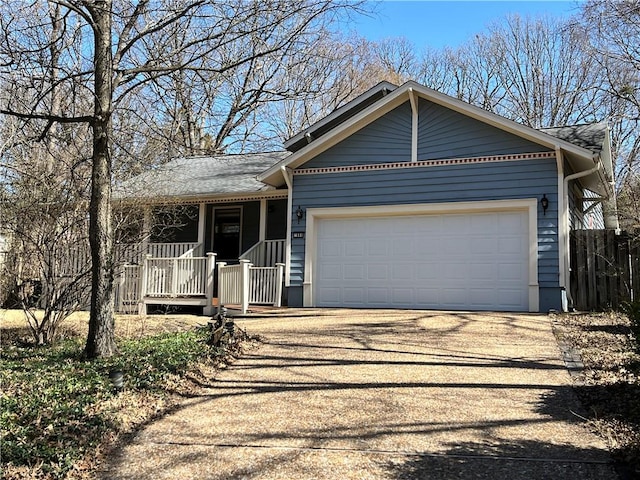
544 202
299 213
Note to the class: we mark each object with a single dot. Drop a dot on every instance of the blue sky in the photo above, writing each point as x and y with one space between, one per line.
448 23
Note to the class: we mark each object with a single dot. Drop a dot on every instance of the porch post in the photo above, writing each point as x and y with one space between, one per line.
245 283
146 231
120 290
263 220
202 220
222 286
210 270
142 307
279 282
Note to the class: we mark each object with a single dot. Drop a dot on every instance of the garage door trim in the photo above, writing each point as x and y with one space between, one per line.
530 205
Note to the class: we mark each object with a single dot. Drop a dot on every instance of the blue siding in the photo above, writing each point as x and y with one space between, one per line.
444 133
454 183
385 140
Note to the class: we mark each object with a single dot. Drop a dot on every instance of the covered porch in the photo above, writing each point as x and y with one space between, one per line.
210 253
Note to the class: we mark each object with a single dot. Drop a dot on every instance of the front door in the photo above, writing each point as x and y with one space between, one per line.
226 233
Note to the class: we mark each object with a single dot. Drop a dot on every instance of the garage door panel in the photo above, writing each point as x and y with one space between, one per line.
483 271
377 246
510 244
353 272
457 261
401 248
401 271
454 297
454 271
428 272
354 295
483 245
354 248
331 248
510 272
377 272
482 297
378 296
402 297
330 271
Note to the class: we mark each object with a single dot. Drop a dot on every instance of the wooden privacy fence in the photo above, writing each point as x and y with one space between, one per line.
605 269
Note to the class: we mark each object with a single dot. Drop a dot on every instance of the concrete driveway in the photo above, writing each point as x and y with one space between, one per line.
380 394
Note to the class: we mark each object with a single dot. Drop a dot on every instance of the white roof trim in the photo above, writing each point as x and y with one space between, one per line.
382 86
399 96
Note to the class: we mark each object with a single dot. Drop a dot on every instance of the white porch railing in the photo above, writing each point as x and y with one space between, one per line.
134 253
127 289
245 284
266 253
177 276
177 280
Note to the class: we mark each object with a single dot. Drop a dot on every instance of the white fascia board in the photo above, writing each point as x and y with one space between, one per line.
273 175
384 85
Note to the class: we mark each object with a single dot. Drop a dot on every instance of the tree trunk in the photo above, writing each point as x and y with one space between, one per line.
101 338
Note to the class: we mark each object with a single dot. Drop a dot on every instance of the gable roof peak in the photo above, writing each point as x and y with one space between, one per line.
339 115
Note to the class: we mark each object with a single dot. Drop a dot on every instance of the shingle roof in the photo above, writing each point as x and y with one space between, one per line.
590 136
222 174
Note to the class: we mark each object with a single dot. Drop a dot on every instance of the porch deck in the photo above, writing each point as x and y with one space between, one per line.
186 278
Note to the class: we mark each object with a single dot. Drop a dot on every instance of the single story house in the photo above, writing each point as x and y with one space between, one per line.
403 198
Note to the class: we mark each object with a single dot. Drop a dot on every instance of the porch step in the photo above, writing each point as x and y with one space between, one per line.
261 311
256 311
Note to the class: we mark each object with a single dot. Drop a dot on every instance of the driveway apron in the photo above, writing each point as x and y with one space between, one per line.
342 394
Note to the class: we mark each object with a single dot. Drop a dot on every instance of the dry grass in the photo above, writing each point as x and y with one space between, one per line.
13 325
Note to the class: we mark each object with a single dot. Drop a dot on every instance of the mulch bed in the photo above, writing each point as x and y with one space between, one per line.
609 384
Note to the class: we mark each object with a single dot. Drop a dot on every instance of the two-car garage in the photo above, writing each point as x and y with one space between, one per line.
460 260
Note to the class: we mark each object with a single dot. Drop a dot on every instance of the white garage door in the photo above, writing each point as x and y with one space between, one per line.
473 261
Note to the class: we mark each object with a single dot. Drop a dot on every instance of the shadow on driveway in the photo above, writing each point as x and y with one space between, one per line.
380 395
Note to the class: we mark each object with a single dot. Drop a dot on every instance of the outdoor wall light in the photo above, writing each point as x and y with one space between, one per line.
299 213
545 203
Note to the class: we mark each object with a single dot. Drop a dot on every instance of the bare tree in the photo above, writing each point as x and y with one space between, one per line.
43 211
110 50
614 32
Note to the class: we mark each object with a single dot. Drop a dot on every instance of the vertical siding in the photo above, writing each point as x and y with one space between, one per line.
454 183
444 133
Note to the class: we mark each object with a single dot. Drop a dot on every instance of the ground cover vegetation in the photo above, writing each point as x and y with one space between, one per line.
60 414
609 385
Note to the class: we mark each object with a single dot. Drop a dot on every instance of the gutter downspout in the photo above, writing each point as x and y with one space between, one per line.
287 247
565 196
